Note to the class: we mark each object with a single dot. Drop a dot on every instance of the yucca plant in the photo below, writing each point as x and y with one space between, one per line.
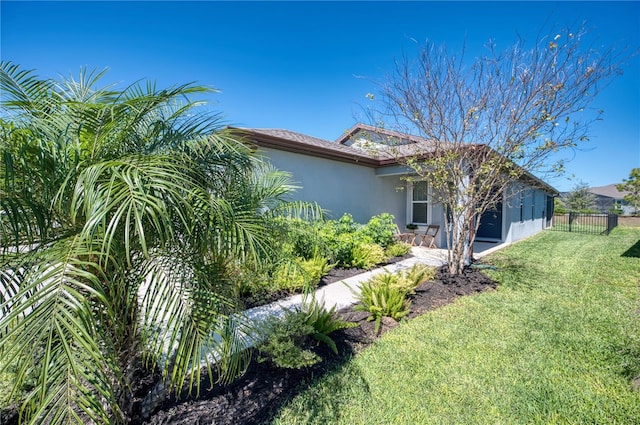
323 321
406 281
416 276
382 298
118 211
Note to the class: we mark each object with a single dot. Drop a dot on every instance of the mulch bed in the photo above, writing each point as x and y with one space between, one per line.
256 397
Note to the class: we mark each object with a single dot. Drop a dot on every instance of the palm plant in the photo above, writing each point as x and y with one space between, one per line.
119 212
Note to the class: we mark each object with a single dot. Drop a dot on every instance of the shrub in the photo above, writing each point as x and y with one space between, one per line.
408 280
346 224
367 255
302 238
287 338
315 268
397 249
380 299
339 238
417 275
299 274
290 277
254 289
380 229
284 340
348 243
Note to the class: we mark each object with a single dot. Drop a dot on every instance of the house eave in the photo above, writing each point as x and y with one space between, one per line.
269 141
387 165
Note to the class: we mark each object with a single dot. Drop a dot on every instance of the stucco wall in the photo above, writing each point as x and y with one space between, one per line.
341 187
533 213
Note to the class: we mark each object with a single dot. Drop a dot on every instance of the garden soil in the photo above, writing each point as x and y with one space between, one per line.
256 397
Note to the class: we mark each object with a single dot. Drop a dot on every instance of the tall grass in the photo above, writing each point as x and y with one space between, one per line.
558 342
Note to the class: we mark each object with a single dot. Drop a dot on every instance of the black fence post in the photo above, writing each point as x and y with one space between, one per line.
571 216
612 221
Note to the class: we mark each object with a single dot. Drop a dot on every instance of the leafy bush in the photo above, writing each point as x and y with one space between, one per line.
315 268
289 276
251 284
397 249
347 243
284 342
367 255
339 244
287 338
302 239
382 298
346 224
386 294
380 229
299 274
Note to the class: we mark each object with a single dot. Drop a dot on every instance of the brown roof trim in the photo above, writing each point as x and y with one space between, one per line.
291 141
299 143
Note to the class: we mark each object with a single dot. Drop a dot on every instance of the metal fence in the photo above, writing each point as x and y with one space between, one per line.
593 224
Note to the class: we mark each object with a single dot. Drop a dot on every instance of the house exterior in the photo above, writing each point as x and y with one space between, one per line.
352 176
608 197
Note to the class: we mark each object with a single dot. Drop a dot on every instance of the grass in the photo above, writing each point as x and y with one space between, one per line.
558 343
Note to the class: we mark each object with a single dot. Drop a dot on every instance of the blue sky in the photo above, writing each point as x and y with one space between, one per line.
307 67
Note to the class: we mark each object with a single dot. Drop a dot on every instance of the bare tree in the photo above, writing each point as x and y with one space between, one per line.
492 122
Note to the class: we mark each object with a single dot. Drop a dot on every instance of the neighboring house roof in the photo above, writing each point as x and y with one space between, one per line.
347 150
610 191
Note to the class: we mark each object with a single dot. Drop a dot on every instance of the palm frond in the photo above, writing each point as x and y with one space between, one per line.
22 222
117 205
134 198
22 89
51 335
187 323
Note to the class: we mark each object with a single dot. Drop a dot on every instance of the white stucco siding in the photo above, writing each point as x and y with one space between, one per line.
341 187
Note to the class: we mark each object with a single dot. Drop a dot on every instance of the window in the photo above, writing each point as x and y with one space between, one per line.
521 207
533 204
420 203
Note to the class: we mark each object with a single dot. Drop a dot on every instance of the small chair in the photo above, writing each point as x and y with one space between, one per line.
429 237
404 237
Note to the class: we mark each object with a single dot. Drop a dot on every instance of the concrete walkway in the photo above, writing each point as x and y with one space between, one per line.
339 294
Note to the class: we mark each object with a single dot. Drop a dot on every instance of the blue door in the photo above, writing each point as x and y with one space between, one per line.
491 224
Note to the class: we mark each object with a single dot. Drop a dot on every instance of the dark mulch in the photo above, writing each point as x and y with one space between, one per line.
258 395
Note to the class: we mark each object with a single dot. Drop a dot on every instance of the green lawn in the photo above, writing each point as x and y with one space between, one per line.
558 342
